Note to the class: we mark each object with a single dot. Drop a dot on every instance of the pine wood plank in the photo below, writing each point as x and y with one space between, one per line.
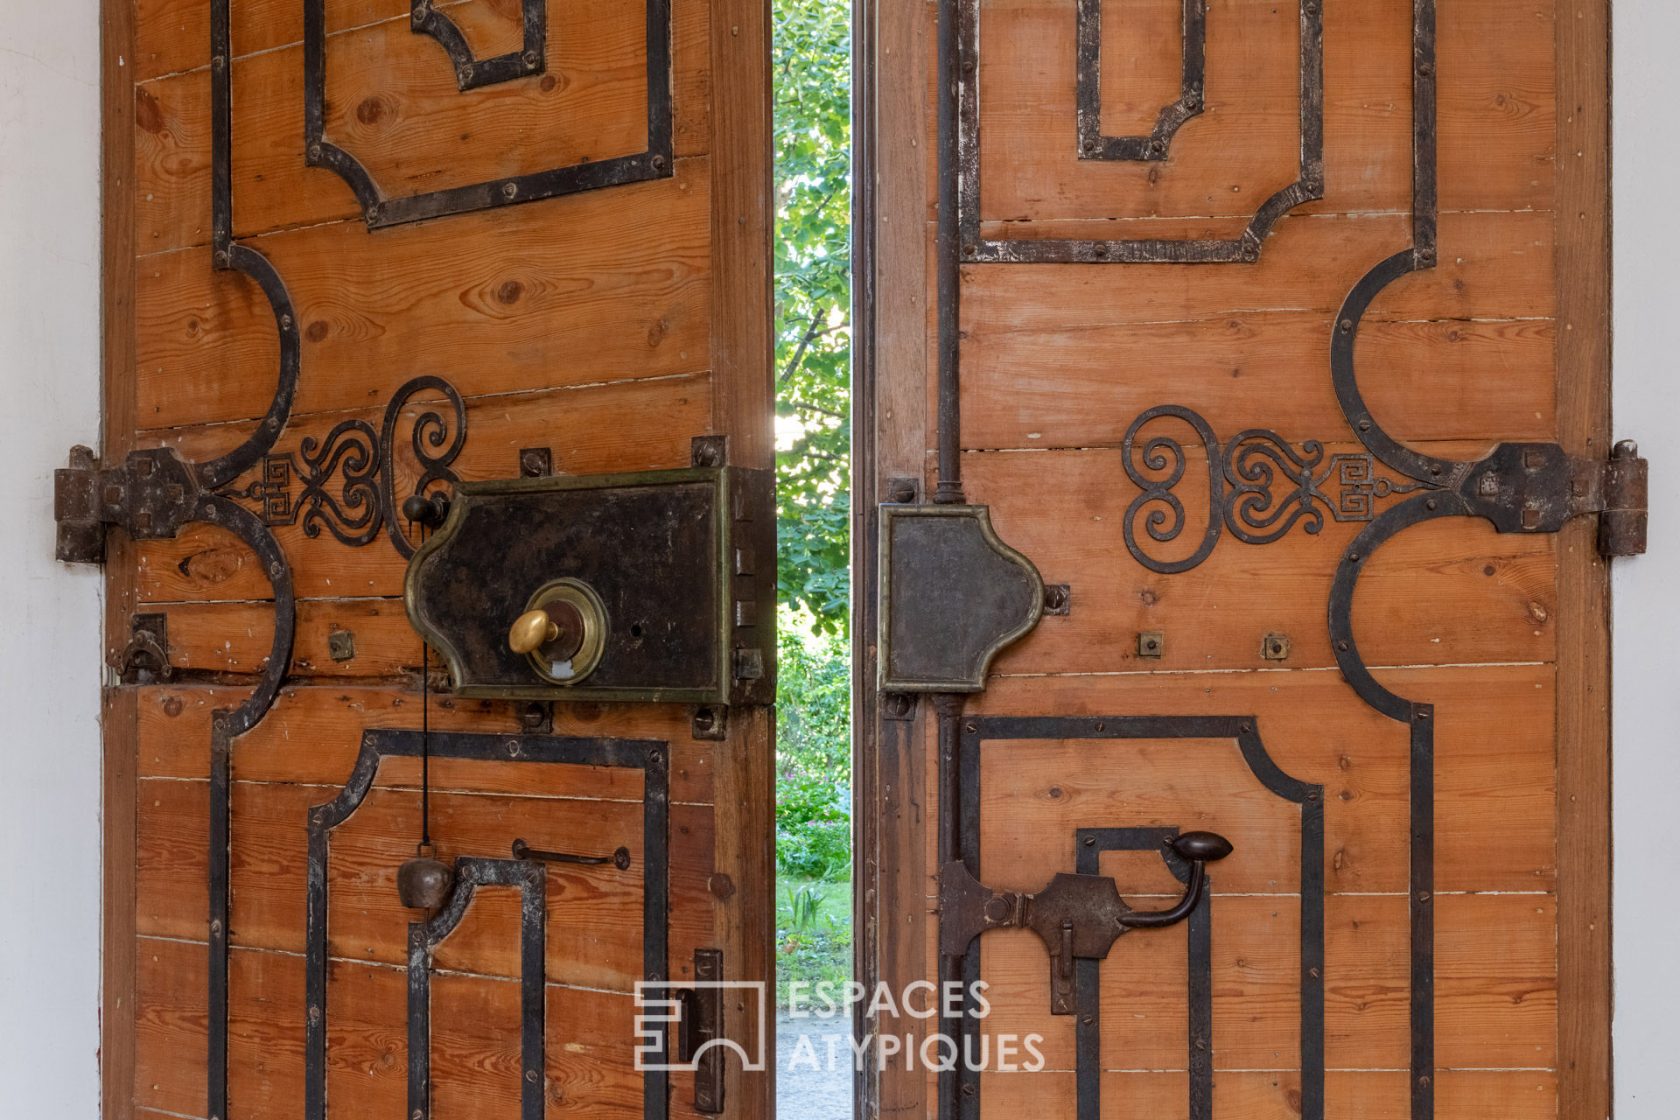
576 290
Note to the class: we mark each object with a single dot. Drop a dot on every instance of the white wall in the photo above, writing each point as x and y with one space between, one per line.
1647 589
49 614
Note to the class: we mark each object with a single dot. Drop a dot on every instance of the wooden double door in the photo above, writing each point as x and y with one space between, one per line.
1230 428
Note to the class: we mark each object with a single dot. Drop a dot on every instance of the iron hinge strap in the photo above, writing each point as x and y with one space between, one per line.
151 496
1537 487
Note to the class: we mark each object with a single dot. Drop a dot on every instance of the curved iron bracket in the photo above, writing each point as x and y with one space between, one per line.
952 596
472 72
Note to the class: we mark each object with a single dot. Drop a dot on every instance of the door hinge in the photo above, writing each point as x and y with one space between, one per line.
1625 486
151 496
1537 487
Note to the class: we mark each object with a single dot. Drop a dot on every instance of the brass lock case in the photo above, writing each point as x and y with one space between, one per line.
655 586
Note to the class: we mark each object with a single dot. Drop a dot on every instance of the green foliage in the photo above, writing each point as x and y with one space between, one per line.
813 935
812 60
813 305
804 907
813 752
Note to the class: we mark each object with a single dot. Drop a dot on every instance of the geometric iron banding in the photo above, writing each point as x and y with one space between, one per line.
960 148
649 756
225 726
473 73
1091 844
423 939
960 773
379 211
1153 147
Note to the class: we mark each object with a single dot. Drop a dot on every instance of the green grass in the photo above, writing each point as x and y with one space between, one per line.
813 933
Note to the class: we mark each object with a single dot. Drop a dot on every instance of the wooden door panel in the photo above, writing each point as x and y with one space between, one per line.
290 334
513 304
1193 298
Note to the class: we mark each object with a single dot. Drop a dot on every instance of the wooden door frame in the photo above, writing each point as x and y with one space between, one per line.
119 413
892 883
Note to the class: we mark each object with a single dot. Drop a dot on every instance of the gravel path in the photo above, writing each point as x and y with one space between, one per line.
804 1093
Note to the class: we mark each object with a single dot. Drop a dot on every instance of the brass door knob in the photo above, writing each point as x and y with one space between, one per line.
563 631
531 631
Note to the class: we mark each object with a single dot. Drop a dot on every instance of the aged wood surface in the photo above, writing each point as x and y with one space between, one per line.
585 325
1503 336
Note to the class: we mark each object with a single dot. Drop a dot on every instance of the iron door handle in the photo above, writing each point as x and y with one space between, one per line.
1200 848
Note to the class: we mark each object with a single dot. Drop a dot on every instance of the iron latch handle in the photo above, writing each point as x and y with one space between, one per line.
1199 848
1078 917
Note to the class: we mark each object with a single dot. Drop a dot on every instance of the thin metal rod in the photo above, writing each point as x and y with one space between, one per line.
949 489
948 708
425 734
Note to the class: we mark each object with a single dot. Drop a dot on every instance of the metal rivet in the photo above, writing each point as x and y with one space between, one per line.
509 190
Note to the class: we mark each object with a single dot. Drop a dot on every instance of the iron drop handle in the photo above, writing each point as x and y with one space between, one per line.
1200 849
1078 917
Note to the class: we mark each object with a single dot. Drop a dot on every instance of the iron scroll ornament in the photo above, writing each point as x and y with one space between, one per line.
349 477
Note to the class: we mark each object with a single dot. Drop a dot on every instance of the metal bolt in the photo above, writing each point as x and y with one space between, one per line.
314 153
509 189
530 59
